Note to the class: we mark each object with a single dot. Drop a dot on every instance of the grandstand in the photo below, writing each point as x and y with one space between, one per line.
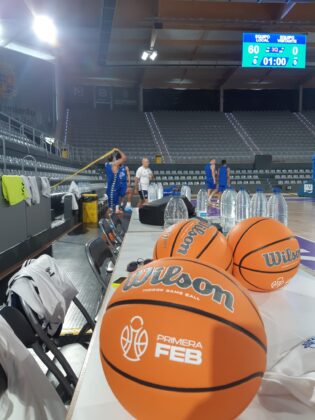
101 130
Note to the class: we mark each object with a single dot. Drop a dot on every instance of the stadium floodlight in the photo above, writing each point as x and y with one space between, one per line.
45 29
153 55
145 55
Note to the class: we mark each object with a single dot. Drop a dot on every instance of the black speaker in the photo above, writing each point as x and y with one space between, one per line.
153 213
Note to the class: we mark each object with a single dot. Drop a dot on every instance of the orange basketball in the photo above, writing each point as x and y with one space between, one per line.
266 254
195 239
182 340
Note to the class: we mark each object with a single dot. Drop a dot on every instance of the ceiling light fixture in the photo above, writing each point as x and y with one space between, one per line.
152 54
45 29
145 55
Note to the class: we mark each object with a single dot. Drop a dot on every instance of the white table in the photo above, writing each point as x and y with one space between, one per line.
288 315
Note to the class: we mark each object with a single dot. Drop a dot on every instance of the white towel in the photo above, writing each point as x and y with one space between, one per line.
29 395
34 189
46 189
74 189
55 290
27 186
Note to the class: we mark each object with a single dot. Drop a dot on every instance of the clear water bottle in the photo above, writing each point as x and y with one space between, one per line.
258 204
160 191
228 212
277 207
242 205
175 211
202 203
186 192
151 193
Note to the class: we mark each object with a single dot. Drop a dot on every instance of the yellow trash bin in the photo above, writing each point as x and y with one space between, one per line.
65 153
90 208
158 159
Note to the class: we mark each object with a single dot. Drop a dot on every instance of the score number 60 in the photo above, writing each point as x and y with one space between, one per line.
254 49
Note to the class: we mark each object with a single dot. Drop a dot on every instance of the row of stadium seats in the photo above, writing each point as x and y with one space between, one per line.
194 136
102 130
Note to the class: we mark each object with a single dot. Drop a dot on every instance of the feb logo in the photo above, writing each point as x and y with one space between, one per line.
134 340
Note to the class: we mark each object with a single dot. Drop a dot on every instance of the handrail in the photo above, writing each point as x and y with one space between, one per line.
29 157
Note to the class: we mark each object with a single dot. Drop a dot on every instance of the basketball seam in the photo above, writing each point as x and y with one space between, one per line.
177 235
236 284
179 389
230 263
244 233
193 310
262 247
267 272
240 270
209 243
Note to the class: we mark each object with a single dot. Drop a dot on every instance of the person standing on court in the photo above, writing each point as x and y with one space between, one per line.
143 178
210 171
124 180
117 159
224 178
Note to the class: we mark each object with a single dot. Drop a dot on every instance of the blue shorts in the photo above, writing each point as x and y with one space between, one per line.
211 185
123 190
222 188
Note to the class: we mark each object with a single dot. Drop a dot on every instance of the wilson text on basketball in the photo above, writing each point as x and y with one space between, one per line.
198 229
281 257
175 276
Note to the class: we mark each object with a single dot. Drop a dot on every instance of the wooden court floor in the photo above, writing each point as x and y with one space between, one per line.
302 222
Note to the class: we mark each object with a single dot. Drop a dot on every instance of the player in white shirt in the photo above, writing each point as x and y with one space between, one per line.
142 181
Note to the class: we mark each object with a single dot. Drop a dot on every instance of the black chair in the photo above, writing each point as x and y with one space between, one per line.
113 241
69 351
29 337
3 381
99 255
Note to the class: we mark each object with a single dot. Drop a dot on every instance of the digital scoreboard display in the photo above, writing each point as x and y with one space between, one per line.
274 50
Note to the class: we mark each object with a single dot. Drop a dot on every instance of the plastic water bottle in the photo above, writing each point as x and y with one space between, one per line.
186 192
175 211
202 203
277 207
258 204
160 191
151 193
228 212
242 205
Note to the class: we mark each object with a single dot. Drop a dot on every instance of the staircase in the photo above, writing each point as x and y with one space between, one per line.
247 139
158 137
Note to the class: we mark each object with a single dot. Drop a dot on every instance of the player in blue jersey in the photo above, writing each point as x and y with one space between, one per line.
211 175
223 177
117 159
124 180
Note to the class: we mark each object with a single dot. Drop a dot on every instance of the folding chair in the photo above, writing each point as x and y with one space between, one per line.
63 348
3 381
31 340
110 237
99 255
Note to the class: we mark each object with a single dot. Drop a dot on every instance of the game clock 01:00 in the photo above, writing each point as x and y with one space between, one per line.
274 50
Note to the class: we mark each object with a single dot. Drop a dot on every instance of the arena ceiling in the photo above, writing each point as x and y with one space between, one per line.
198 41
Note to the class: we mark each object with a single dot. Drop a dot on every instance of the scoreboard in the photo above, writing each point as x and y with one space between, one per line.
274 50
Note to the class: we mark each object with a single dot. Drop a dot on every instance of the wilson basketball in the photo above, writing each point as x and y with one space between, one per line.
181 339
266 254
195 239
